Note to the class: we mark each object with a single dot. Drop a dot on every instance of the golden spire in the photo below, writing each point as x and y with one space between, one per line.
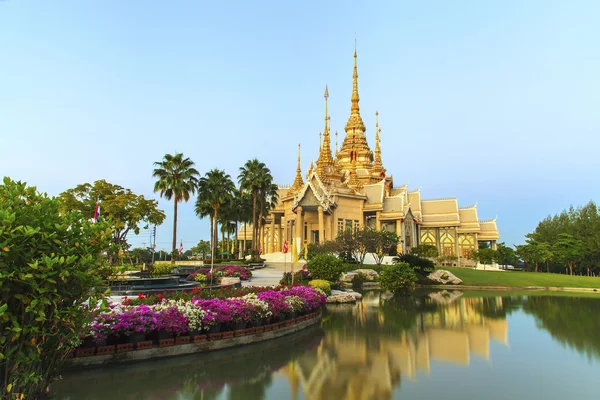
325 160
377 164
298 182
355 147
336 142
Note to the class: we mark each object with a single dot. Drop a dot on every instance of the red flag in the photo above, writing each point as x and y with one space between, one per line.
180 247
285 247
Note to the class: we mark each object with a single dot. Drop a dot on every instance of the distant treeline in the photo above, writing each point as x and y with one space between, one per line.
569 241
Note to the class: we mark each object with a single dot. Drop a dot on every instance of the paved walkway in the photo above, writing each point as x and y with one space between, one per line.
270 275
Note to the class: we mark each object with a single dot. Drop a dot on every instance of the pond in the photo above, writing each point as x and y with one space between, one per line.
435 344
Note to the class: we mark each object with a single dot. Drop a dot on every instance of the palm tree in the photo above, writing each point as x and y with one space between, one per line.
176 179
255 178
214 189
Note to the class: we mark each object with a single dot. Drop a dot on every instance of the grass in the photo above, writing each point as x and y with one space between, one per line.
522 279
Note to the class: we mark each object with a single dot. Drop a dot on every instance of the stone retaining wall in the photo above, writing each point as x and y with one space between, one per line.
123 353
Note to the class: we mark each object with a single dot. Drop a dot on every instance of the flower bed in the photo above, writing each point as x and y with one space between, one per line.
160 318
236 271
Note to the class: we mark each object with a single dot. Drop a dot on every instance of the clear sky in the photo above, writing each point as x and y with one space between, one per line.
493 102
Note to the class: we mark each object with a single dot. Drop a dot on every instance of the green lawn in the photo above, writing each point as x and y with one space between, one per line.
522 279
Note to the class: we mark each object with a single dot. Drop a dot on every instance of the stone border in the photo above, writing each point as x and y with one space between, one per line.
510 288
124 353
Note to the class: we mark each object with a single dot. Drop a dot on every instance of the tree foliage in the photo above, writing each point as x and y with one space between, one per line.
125 211
177 179
571 239
49 263
425 250
399 278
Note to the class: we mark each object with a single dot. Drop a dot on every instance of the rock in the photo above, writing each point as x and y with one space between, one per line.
444 277
341 297
225 281
347 277
357 296
369 274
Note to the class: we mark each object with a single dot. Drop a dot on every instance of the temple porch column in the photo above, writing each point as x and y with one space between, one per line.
321 226
272 236
400 232
299 229
378 220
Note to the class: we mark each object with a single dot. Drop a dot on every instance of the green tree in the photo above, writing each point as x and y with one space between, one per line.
49 266
425 250
484 256
202 248
256 179
386 241
214 189
176 178
346 243
399 278
125 210
568 250
506 255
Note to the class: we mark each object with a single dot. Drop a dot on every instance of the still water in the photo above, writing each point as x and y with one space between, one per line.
444 345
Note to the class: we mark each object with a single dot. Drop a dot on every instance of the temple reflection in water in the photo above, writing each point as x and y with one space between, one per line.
365 356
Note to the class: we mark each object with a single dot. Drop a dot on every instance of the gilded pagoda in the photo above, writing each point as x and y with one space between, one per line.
351 189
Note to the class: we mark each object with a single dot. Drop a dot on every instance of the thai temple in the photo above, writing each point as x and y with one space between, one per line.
351 188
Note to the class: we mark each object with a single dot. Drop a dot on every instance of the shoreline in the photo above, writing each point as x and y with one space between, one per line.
511 288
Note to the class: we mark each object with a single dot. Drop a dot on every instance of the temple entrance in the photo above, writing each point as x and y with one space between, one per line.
314 236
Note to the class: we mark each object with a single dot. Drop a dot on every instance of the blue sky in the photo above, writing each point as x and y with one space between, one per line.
495 103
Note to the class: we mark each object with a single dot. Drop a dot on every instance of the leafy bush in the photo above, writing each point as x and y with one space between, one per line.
209 261
161 269
300 277
328 247
201 278
326 266
358 280
49 264
399 278
321 285
422 266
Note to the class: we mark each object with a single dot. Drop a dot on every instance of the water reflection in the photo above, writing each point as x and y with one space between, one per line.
369 347
362 351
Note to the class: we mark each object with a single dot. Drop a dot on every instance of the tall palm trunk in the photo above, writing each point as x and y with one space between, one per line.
215 234
244 248
235 238
254 222
211 233
174 229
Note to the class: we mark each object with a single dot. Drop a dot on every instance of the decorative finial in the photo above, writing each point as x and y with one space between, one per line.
336 142
320 141
298 182
326 91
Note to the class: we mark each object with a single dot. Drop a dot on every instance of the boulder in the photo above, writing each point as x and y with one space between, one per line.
226 281
369 274
341 297
347 277
444 277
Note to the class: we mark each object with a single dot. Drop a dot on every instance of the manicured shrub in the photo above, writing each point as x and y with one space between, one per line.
161 269
208 261
49 266
399 278
422 266
300 277
322 285
200 278
325 266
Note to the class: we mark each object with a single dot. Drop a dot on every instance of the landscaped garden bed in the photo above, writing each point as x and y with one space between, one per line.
146 322
204 276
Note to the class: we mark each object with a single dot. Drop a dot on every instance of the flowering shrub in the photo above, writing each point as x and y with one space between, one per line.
295 303
261 307
194 313
170 319
236 271
129 320
276 302
300 277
